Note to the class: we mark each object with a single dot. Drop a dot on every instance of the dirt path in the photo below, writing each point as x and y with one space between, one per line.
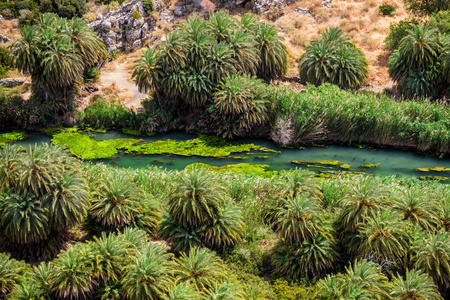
119 77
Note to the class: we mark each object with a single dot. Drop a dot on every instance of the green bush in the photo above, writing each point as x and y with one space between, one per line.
63 8
148 5
427 7
441 21
136 15
397 31
387 9
6 61
91 74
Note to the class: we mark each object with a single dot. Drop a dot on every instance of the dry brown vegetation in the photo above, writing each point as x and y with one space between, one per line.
359 19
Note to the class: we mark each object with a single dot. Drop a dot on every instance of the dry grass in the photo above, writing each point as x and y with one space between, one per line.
322 14
299 39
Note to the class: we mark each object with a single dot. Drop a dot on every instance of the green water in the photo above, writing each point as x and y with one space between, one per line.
392 161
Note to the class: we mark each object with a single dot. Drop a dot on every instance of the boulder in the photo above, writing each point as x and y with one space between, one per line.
12 82
136 44
1 18
4 38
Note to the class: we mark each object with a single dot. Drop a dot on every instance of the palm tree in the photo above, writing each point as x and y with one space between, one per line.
366 197
42 276
298 219
416 206
199 41
333 59
171 55
421 47
383 237
149 276
245 53
224 291
180 237
415 285
147 72
182 291
197 198
71 276
11 273
110 254
115 202
445 58
414 66
202 268
220 62
67 202
249 23
148 215
228 227
198 87
240 104
445 218
432 256
312 258
221 26
56 52
273 54
37 170
27 291
367 276
136 237
23 219
295 183
334 288
9 155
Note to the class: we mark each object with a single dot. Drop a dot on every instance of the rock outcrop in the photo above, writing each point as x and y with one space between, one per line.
4 38
121 30
12 82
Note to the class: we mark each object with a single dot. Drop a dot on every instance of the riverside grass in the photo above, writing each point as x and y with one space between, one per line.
331 114
11 137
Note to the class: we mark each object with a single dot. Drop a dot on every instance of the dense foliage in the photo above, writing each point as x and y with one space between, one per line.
6 61
427 7
417 65
333 59
206 67
56 52
343 237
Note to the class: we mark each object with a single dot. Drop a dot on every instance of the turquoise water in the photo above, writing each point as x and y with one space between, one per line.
392 161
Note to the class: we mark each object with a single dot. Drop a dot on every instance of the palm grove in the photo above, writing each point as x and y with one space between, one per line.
150 234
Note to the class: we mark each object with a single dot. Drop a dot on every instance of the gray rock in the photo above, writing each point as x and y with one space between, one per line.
136 44
106 25
163 38
178 11
1 18
12 82
4 38
138 23
145 27
99 16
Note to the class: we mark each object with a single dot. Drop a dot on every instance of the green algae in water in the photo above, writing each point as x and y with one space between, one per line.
320 162
345 166
435 178
130 131
11 137
207 146
369 165
85 147
261 156
243 168
433 169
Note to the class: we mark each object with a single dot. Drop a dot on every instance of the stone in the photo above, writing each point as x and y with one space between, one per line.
145 27
1 18
136 44
178 11
163 38
4 38
12 82
138 22
99 16
106 25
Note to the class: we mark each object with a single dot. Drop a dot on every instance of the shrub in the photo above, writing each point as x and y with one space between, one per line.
427 7
6 61
65 9
136 15
386 9
333 58
91 74
149 6
441 21
90 17
399 30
